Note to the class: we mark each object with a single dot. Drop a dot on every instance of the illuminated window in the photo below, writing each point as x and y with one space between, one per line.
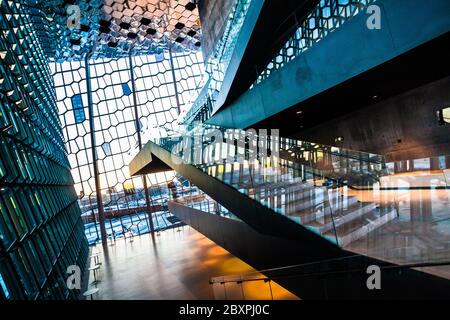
444 116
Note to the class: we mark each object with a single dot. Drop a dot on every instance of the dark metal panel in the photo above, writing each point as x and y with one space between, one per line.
213 15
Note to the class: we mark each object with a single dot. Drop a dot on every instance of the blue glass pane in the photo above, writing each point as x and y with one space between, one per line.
126 89
78 108
159 57
3 286
107 149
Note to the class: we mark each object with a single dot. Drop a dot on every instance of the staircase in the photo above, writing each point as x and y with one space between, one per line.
330 212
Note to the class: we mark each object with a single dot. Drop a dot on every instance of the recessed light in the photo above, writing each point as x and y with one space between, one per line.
299 112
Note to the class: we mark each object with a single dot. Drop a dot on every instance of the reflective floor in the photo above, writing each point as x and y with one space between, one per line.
175 265
420 234
425 178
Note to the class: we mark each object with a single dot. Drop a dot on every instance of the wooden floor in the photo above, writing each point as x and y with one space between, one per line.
172 266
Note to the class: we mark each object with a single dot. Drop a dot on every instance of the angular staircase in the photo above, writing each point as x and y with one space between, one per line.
330 212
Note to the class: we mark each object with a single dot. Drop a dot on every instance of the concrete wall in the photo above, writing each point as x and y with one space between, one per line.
213 16
402 127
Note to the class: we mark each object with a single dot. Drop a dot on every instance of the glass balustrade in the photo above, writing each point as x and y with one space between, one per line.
290 177
340 194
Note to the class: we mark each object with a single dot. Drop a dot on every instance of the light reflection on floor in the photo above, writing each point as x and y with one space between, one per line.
173 266
420 234
425 178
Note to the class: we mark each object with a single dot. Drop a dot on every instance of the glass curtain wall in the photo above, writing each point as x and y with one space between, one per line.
162 85
41 232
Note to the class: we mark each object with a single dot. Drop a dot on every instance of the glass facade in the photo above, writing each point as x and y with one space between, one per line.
132 97
69 127
41 231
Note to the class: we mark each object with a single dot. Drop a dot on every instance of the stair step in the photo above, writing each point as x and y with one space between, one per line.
259 181
306 205
300 190
360 227
342 216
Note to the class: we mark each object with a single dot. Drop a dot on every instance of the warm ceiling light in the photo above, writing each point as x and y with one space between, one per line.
299 112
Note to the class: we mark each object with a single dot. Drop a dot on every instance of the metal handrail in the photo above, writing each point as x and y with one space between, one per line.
352 270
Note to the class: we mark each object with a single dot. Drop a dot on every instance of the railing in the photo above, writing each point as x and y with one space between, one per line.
195 198
302 182
357 169
328 16
202 107
353 199
128 214
424 173
263 284
322 160
218 62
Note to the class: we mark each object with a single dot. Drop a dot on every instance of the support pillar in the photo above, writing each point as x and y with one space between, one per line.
174 81
98 191
138 131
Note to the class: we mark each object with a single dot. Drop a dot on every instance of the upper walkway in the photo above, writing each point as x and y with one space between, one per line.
343 62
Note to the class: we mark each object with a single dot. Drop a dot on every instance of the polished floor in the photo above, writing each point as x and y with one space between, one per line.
175 265
420 234
425 178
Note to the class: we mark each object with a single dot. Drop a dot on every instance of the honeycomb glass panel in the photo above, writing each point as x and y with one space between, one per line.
61 112
129 98
37 198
